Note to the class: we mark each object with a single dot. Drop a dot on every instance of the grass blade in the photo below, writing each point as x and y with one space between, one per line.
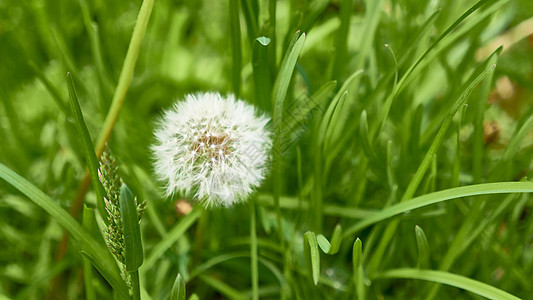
253 252
439 139
333 247
88 148
178 289
423 248
364 135
479 74
99 256
261 72
357 258
284 77
312 257
455 280
446 39
131 229
126 74
334 117
441 196
89 223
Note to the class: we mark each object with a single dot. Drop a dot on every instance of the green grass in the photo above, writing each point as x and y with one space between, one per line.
385 181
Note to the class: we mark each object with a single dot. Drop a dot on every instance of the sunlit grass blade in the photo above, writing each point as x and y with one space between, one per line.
385 108
458 281
364 135
390 174
333 246
88 148
281 86
440 196
456 168
423 248
283 80
312 256
178 289
99 256
358 276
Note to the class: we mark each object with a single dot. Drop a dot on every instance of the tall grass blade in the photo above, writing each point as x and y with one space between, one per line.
99 256
88 148
458 281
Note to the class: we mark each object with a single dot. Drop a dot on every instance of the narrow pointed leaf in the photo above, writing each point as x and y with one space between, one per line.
131 229
363 133
178 289
333 246
423 247
458 281
357 257
312 256
88 147
284 77
441 196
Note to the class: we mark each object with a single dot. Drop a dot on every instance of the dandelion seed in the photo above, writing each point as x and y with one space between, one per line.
224 145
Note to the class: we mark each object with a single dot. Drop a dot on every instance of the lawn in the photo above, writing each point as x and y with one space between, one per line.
325 149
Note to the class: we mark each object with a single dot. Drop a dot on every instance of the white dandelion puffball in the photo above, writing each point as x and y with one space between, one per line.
212 148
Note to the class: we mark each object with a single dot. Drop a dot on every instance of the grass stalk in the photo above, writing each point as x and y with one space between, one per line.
253 251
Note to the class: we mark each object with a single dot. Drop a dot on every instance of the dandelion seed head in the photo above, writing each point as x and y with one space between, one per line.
212 148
